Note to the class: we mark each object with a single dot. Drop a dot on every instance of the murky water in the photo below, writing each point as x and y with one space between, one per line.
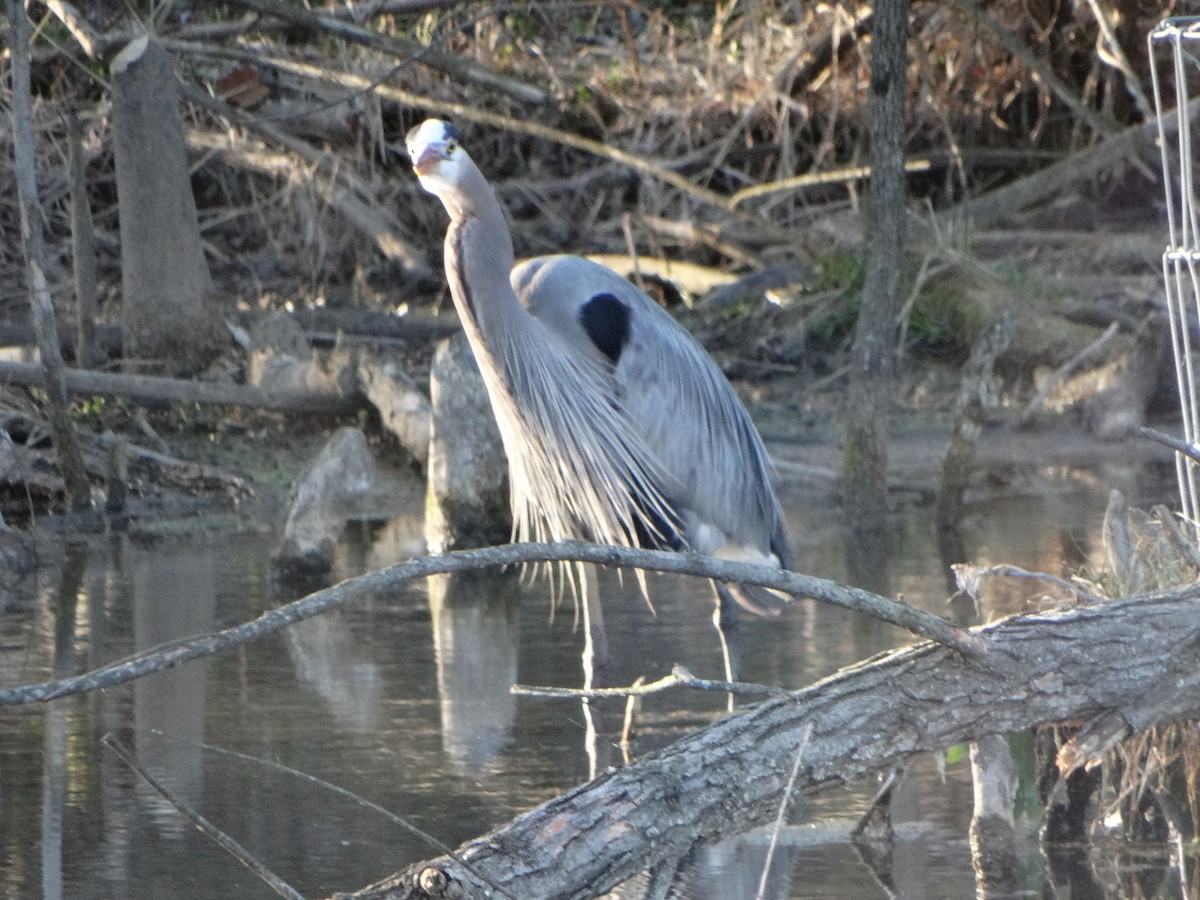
404 701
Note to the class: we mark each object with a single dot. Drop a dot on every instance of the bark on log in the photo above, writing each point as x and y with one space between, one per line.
173 390
167 309
1138 659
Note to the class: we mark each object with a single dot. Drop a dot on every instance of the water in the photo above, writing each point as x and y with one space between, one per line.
404 701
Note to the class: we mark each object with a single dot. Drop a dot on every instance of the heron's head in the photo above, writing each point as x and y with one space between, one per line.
437 155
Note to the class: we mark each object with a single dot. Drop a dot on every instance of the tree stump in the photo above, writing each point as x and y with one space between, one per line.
168 310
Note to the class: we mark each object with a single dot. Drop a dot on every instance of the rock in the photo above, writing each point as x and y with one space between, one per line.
343 474
467 496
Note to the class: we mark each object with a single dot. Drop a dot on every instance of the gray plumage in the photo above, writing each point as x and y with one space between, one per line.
617 425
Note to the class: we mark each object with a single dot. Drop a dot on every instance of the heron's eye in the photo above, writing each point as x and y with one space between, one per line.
451 146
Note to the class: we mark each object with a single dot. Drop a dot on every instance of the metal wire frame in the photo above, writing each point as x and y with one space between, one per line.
1172 63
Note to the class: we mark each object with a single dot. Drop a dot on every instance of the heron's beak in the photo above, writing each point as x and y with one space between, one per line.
428 158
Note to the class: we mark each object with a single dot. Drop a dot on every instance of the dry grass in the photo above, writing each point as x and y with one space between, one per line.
728 95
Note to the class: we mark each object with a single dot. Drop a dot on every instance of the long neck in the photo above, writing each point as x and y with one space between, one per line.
479 258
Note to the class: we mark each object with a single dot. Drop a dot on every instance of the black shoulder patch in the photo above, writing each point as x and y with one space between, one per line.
606 321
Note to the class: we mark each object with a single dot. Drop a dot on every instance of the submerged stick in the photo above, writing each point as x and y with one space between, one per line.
222 840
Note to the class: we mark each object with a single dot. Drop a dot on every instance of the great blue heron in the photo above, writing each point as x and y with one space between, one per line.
618 426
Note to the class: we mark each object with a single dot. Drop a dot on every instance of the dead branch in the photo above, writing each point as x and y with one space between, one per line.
679 677
892 611
1060 176
399 48
351 81
173 390
83 32
107 337
83 251
1131 662
50 373
1019 48
351 197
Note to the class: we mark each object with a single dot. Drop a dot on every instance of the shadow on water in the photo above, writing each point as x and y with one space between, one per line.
404 700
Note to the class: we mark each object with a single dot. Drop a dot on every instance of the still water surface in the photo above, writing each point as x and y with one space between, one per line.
403 699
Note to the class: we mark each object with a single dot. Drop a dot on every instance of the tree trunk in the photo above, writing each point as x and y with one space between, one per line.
864 464
83 251
70 461
168 310
1133 662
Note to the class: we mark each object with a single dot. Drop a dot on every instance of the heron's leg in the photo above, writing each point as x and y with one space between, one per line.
595 638
725 618
595 661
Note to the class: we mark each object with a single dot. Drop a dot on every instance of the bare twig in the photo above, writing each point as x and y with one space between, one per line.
1191 451
357 203
83 32
679 677
1109 49
1038 68
224 841
970 577
525 126
900 614
783 805
404 823
454 66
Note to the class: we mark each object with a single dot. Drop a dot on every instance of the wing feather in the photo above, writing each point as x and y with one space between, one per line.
707 456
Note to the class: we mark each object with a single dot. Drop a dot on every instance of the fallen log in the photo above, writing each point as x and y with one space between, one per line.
147 388
1133 661
1050 182
107 336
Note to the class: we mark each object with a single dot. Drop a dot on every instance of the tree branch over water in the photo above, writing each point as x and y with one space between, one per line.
184 650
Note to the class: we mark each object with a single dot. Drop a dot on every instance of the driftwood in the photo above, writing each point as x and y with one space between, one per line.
147 388
753 288
1132 661
417 328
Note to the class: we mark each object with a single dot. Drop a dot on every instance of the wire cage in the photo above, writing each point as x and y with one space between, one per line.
1175 69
